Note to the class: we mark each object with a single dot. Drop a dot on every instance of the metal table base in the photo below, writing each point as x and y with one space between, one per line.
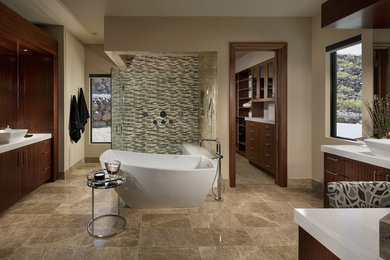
91 223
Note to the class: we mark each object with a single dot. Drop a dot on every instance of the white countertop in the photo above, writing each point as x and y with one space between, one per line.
260 120
23 142
348 233
357 153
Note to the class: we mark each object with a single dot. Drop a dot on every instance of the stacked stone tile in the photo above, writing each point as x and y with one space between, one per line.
153 84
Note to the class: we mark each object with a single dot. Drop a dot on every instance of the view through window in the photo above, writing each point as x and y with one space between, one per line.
346 72
100 86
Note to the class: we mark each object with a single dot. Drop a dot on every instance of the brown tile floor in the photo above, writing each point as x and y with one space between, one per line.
255 221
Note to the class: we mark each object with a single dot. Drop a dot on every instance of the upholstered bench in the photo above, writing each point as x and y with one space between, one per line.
359 194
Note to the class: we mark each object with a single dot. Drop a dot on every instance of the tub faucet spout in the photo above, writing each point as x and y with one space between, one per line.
219 156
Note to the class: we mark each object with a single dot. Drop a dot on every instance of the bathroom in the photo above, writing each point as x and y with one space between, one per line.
157 78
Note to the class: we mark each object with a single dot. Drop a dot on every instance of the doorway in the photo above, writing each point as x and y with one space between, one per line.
280 100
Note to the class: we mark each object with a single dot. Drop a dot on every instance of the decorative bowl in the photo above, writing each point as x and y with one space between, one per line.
113 167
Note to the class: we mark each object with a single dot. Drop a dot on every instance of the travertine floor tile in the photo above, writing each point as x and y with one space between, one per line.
167 237
232 253
221 237
162 253
165 220
255 221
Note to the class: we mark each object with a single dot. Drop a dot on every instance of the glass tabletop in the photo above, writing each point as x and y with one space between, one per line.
109 181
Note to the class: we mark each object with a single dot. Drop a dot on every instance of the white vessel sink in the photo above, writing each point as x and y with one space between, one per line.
9 136
379 146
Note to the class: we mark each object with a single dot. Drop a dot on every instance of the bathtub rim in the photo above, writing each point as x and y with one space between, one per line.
213 161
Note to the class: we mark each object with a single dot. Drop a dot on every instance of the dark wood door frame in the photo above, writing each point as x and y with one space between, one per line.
280 49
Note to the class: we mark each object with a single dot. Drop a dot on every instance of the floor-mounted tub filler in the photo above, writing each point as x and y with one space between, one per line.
163 180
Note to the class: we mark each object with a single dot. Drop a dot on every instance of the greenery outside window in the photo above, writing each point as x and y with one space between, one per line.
346 88
100 89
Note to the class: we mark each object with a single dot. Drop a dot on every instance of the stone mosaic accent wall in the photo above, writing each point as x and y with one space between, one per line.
150 85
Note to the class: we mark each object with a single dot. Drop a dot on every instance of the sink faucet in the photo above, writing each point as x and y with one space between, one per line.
219 156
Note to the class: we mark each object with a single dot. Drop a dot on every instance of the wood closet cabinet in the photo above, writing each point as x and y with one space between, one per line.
337 168
261 145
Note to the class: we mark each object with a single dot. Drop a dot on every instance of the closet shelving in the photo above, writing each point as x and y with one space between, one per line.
255 84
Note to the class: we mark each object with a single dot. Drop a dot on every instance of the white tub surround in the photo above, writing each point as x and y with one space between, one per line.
347 233
357 153
193 149
24 142
163 180
260 120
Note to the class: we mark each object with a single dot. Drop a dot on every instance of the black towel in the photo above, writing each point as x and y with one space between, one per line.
74 121
83 110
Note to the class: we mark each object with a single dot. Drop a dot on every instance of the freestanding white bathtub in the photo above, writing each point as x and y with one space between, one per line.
163 180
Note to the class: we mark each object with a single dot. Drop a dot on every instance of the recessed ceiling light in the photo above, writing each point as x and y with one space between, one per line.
25 50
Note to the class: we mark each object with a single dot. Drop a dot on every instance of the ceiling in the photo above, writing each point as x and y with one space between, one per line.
85 18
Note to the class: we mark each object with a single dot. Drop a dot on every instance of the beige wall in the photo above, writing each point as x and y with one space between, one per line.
96 62
158 34
73 80
70 79
321 90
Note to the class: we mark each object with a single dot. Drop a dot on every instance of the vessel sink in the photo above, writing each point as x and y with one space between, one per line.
379 146
9 136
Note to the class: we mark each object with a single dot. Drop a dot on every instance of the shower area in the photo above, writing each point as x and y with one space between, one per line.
164 103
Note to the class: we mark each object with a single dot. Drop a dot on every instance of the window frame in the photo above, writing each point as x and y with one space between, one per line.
333 81
91 76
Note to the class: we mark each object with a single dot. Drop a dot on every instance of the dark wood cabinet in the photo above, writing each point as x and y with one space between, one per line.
10 178
44 161
28 80
22 171
30 168
255 84
253 148
337 168
261 145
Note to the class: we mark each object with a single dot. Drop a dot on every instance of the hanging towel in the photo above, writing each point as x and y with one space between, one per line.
74 121
83 110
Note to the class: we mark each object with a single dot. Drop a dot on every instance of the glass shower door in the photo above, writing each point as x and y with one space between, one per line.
117 88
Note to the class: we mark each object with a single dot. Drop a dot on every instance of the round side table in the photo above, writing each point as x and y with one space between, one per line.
110 181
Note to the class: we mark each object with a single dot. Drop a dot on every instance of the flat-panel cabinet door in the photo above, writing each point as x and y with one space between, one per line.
30 175
44 161
11 178
3 182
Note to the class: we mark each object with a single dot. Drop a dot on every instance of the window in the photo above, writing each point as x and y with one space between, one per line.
346 88
100 89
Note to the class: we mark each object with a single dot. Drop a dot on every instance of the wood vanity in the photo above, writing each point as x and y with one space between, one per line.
28 100
24 169
352 163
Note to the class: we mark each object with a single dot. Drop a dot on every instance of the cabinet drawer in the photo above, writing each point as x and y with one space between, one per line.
45 146
269 164
334 164
252 155
330 177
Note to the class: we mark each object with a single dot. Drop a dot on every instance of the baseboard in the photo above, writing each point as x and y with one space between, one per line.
305 183
91 160
300 183
62 175
318 186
